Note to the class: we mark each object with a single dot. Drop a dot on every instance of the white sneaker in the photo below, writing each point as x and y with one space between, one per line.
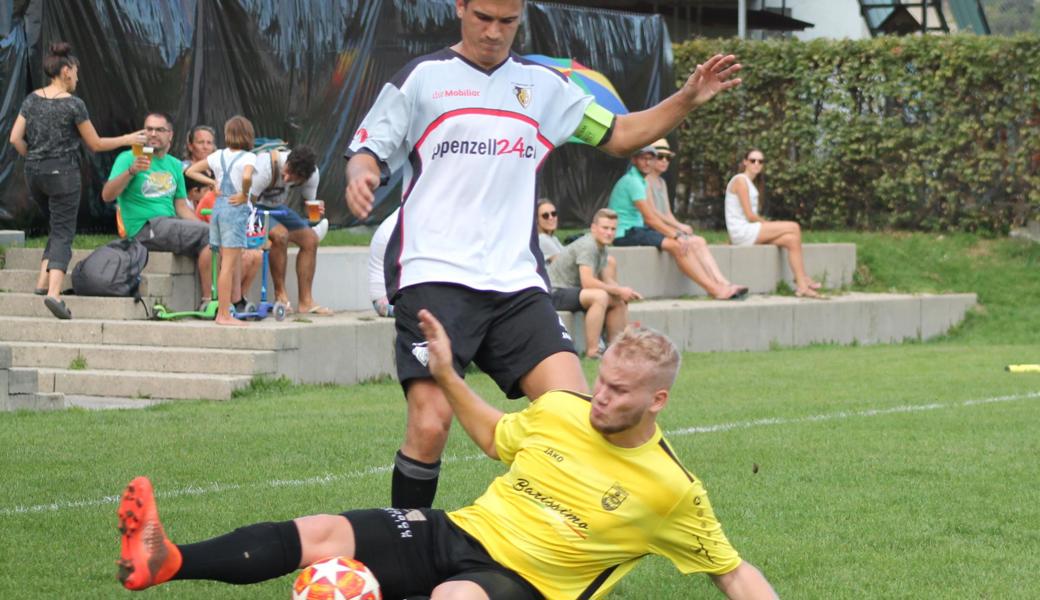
321 229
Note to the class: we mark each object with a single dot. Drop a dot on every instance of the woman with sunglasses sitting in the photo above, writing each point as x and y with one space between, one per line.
547 223
746 227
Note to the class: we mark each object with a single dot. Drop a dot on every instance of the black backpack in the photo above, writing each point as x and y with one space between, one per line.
111 270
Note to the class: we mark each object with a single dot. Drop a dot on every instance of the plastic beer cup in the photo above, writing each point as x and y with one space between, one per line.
314 210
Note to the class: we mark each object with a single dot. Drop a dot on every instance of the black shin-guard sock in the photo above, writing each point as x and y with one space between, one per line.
414 483
246 555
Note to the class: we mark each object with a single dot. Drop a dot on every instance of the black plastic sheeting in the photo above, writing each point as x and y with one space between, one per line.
305 71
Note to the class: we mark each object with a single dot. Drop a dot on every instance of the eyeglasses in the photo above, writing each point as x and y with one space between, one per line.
760 161
663 157
155 130
548 215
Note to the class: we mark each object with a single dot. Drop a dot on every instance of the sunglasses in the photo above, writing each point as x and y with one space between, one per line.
760 161
547 215
664 157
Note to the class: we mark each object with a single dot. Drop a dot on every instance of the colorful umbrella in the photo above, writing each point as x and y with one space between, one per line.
593 82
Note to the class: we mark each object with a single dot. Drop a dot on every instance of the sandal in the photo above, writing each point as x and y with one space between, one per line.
40 291
811 294
57 307
319 310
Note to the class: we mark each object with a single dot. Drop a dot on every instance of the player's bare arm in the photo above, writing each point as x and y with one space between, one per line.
636 130
362 181
476 416
745 582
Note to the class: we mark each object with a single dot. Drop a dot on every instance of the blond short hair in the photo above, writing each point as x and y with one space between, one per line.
652 348
604 213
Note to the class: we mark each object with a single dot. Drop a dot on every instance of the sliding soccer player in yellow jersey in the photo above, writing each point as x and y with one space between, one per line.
592 487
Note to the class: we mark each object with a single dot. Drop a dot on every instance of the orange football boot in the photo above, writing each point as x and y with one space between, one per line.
147 557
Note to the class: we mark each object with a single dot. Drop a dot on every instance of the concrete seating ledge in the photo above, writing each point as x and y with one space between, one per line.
765 322
341 276
119 361
108 351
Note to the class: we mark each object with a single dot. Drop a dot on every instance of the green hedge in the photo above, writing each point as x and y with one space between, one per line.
930 133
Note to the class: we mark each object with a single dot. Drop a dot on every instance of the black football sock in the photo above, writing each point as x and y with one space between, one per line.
414 483
246 555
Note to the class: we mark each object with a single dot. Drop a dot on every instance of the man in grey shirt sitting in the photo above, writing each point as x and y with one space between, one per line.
584 277
278 174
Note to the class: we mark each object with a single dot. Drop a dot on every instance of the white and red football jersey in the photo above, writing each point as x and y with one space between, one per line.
471 142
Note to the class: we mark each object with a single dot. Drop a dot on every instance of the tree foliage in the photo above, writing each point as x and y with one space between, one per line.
923 132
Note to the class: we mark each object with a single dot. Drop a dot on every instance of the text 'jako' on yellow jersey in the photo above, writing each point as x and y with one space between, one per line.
574 512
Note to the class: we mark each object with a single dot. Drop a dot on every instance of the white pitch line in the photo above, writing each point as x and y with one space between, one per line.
212 488
873 412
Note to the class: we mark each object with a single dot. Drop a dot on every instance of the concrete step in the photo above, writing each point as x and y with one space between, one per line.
142 384
82 307
12 237
23 281
161 263
34 401
22 381
266 335
764 322
140 358
107 402
761 323
654 274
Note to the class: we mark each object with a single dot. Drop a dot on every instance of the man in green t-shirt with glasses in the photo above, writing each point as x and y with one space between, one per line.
152 201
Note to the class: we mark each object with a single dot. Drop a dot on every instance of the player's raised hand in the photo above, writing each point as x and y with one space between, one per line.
438 345
712 77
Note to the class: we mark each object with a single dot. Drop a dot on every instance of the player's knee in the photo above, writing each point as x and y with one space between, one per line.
596 297
458 590
307 240
428 429
697 242
325 535
279 236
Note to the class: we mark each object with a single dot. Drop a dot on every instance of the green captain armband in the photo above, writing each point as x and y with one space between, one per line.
595 125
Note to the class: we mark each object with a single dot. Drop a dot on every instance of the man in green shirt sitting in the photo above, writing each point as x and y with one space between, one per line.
639 224
152 201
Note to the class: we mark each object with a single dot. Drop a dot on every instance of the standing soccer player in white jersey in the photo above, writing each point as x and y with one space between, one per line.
471 125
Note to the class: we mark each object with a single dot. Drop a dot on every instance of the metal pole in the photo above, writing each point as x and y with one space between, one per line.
742 19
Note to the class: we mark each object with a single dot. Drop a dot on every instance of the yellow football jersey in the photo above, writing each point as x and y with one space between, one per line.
574 512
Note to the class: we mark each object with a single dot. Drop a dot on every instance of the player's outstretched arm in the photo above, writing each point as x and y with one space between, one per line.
636 130
362 181
476 416
745 583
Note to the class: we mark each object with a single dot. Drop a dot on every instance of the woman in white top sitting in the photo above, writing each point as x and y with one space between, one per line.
547 222
746 227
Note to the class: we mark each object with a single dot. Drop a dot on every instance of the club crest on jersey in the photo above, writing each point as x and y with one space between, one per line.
613 497
361 135
523 94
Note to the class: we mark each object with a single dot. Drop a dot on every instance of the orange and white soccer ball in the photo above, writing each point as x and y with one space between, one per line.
338 578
